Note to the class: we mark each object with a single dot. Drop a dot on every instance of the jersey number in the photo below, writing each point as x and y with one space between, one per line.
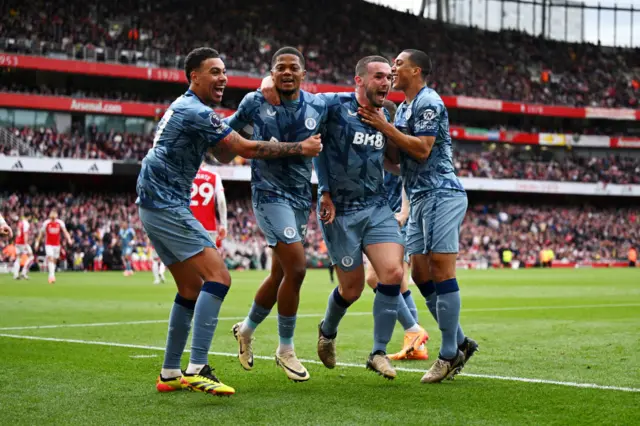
205 191
161 125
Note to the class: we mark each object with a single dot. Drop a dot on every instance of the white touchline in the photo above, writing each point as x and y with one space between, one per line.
514 308
341 364
143 356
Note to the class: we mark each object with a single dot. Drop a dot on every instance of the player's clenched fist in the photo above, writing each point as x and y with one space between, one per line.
6 230
312 146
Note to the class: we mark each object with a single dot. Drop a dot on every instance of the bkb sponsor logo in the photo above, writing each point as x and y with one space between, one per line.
375 140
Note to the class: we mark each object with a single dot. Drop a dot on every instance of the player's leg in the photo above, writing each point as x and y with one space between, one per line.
189 284
343 239
27 263
370 276
51 263
155 268
415 336
386 259
445 220
263 302
331 270
294 269
384 246
16 263
349 289
179 238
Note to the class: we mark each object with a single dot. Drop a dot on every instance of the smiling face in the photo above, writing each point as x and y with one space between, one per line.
375 83
209 80
288 74
403 71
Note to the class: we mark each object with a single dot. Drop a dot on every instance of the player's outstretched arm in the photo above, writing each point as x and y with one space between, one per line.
234 144
419 147
5 229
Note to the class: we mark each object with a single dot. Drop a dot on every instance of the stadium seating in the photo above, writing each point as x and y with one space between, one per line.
576 233
467 61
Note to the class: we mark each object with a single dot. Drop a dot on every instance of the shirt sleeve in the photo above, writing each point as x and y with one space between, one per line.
427 119
208 125
243 117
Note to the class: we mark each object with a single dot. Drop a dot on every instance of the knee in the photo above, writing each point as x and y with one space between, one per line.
189 293
393 275
441 271
222 277
296 274
351 294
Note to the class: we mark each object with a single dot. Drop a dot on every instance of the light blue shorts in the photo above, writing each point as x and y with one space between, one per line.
175 233
127 251
434 224
278 220
350 233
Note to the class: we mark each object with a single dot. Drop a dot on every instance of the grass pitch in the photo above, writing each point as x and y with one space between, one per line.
557 347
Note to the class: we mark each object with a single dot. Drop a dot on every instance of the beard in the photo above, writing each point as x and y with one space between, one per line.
372 93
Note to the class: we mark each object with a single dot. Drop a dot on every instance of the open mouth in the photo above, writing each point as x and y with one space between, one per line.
382 93
218 90
288 81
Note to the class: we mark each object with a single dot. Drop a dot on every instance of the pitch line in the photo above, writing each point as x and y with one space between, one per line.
514 308
341 364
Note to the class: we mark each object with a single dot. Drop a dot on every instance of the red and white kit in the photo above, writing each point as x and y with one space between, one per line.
22 238
206 192
52 230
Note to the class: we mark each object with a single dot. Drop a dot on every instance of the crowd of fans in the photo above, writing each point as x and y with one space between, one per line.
575 234
517 163
502 162
333 35
579 233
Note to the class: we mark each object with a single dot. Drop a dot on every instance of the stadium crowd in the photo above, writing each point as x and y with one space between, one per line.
161 32
517 163
512 162
579 233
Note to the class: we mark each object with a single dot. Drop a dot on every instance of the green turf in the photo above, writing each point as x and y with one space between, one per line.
538 324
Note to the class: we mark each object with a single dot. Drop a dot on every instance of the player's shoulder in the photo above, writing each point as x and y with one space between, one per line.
317 99
335 98
256 98
428 97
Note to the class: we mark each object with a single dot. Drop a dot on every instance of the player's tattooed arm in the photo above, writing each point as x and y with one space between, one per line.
234 144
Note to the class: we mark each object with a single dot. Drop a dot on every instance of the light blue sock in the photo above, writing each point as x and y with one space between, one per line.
448 307
257 314
286 327
179 327
431 304
385 314
411 304
404 314
336 308
205 320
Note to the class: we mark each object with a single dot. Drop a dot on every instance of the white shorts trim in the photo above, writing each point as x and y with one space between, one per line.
52 251
23 249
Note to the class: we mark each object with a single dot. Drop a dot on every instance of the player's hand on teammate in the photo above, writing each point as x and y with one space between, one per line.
268 89
373 117
401 218
327 209
311 146
222 233
6 230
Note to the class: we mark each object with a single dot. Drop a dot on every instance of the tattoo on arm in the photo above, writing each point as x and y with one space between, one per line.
277 149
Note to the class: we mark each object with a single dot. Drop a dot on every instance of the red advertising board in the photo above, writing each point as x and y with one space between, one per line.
243 82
